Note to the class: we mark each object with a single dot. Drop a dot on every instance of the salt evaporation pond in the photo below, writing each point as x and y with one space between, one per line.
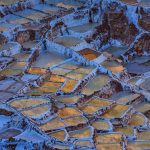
82 133
60 134
89 54
5 26
136 120
136 2
70 99
65 102
46 8
113 66
9 133
69 86
133 80
65 3
101 125
94 105
146 84
124 97
116 111
31 14
29 44
117 51
138 144
27 102
8 2
55 123
125 130
48 59
140 59
16 20
67 41
112 146
37 111
108 138
95 84
135 68
22 56
83 28
9 88
143 107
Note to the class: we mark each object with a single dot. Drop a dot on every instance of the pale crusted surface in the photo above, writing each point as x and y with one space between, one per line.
74 76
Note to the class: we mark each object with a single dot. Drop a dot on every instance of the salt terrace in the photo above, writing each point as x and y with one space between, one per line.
75 74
